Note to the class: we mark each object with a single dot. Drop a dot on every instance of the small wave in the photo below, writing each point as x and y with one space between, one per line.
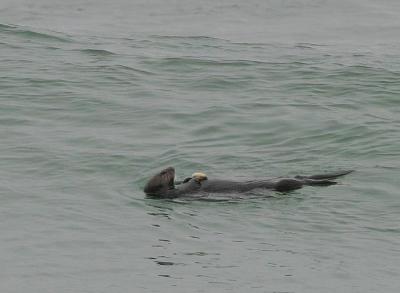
186 37
368 73
174 61
305 46
129 68
117 70
31 34
97 52
219 83
5 26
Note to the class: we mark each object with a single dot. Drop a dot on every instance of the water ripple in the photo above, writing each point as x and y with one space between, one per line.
28 34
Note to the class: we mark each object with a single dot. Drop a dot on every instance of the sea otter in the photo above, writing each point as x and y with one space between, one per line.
163 185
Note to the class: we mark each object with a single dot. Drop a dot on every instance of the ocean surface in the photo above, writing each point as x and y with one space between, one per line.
97 96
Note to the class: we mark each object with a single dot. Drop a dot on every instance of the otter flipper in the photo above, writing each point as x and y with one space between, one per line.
183 181
327 176
289 184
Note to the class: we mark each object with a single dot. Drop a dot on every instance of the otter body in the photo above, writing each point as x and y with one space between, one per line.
163 185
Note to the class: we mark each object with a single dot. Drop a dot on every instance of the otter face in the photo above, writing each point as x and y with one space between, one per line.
161 182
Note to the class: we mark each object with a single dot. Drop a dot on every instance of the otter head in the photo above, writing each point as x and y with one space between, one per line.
160 183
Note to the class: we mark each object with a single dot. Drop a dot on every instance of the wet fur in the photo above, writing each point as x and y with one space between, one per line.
162 184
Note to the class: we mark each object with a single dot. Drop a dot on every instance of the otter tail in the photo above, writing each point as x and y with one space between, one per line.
327 176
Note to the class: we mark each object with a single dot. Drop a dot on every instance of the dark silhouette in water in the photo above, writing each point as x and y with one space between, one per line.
163 185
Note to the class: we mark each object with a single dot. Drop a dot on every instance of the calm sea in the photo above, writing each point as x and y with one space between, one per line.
96 96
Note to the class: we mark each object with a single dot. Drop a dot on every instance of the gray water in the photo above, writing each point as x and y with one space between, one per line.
96 96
